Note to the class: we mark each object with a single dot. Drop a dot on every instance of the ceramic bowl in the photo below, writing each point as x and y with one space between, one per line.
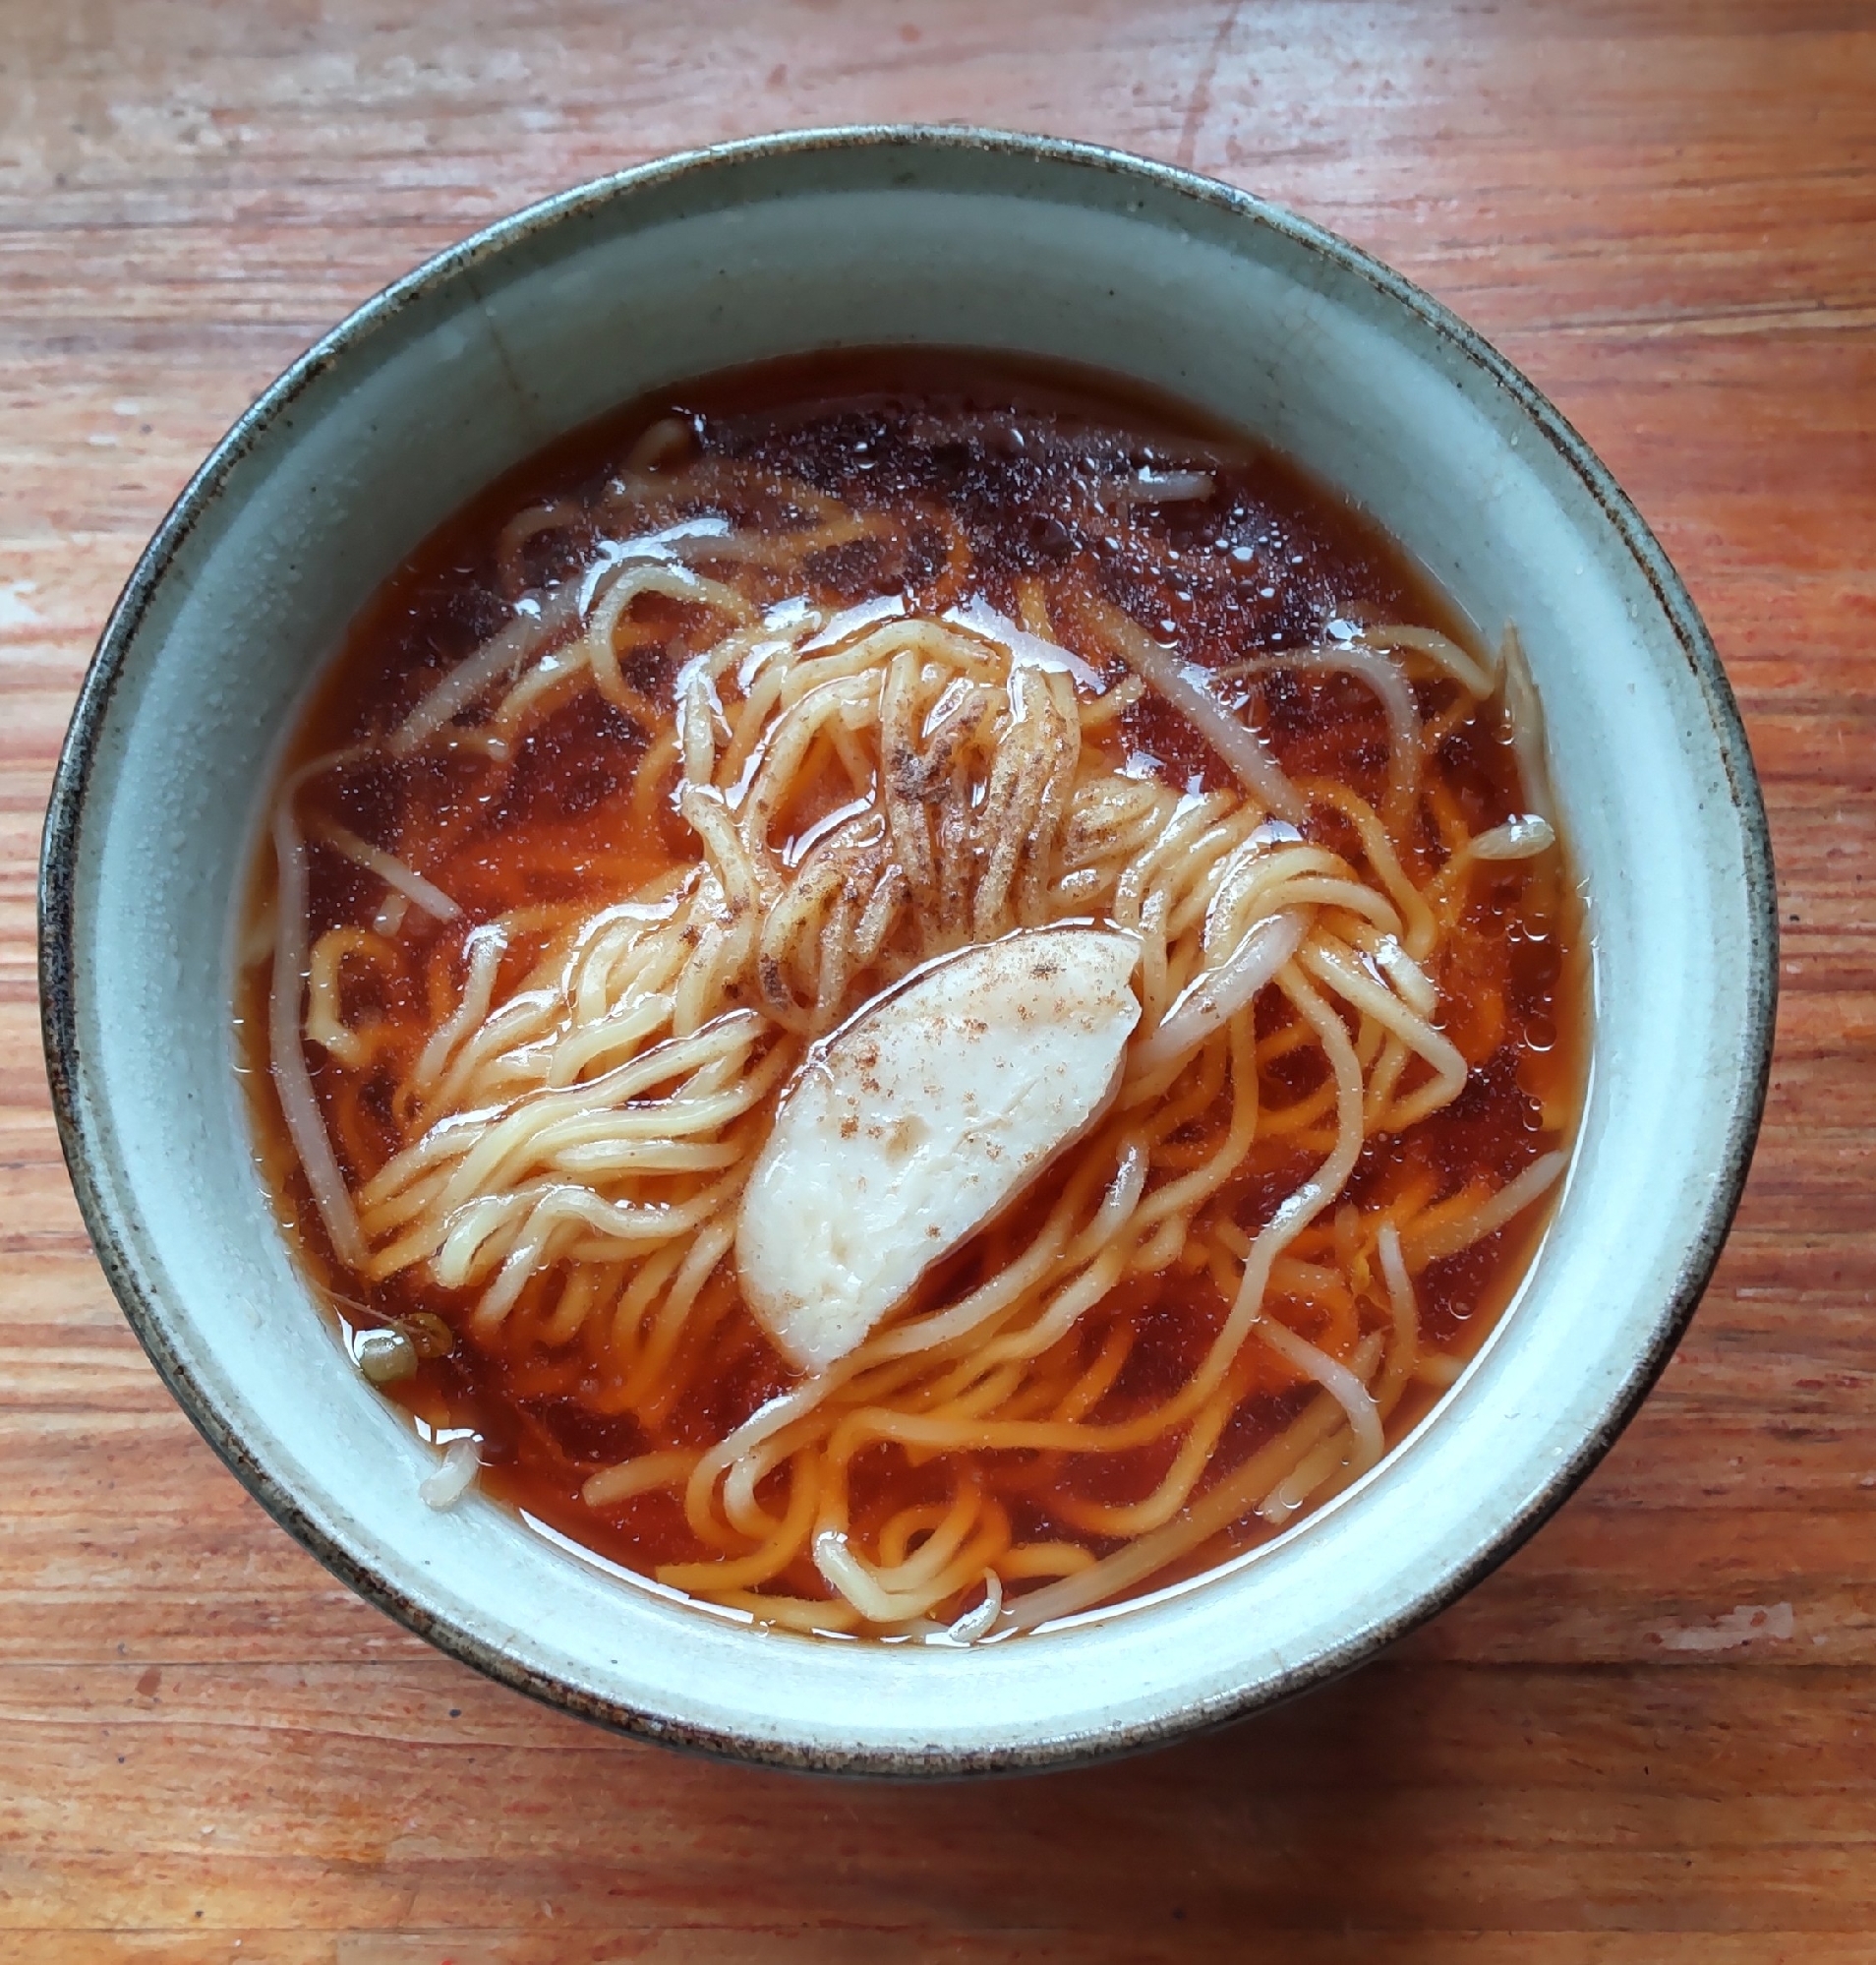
859 237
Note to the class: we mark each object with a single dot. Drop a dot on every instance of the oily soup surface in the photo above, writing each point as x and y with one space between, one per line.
656 765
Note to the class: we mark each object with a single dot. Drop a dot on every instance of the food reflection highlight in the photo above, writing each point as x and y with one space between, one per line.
528 1132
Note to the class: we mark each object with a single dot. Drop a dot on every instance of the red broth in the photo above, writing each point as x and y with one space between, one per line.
1264 563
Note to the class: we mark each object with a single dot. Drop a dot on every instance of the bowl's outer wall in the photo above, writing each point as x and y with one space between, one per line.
860 238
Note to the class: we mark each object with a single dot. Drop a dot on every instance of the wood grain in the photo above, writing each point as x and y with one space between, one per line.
1667 215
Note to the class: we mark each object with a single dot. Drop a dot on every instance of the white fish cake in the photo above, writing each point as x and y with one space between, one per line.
909 1128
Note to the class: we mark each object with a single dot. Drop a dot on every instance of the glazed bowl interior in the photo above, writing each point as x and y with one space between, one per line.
868 238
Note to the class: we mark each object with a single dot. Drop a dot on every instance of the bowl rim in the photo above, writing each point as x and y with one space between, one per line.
102 1207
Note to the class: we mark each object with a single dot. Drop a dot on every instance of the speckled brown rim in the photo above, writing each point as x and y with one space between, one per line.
105 1210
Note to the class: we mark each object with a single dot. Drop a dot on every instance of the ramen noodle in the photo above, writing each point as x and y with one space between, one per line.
910 994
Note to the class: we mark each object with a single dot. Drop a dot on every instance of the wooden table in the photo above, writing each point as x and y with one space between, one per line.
1667 215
